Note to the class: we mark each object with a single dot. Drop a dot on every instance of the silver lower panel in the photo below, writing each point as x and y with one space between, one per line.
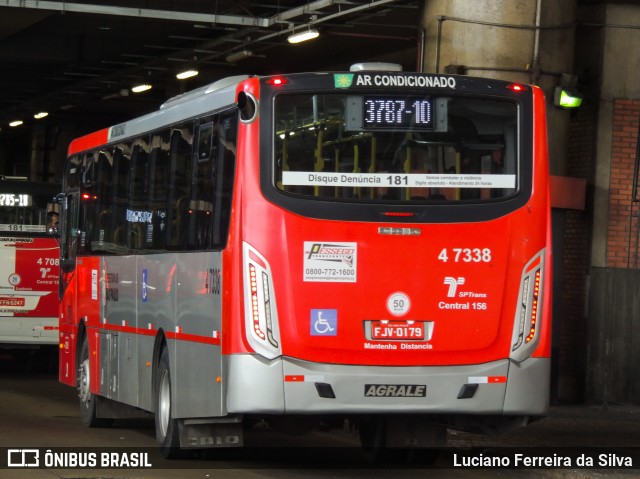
258 386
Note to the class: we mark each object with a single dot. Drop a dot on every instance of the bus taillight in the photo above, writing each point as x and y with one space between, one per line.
398 214
261 319
534 308
277 81
517 87
526 320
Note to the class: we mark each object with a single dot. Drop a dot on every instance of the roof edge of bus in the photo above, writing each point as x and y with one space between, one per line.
204 90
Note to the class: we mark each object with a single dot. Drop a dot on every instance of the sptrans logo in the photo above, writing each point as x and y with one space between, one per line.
453 284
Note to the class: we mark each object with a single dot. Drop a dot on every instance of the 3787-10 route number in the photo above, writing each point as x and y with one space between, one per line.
465 255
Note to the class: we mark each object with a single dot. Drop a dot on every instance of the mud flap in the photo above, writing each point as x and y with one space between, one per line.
414 432
209 433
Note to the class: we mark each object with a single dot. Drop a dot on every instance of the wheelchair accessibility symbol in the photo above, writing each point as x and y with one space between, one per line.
324 322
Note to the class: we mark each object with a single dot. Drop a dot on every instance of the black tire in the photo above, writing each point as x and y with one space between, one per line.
167 432
87 400
373 432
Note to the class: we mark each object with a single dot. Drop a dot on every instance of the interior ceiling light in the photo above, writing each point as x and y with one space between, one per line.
303 36
141 88
41 115
16 123
187 74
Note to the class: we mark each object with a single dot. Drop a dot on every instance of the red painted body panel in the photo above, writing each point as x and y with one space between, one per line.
390 264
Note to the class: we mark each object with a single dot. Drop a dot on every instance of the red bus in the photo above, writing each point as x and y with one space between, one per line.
29 259
371 245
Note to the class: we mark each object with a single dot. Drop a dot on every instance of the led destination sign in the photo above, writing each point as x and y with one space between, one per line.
397 112
10 199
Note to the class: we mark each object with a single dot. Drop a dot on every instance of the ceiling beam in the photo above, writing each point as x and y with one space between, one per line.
63 7
241 20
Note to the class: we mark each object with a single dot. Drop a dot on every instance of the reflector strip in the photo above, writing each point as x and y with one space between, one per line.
487 379
255 258
301 378
533 264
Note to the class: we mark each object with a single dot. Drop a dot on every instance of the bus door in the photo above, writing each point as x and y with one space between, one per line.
70 236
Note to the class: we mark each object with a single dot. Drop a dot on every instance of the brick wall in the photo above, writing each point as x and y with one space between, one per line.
569 320
613 334
622 237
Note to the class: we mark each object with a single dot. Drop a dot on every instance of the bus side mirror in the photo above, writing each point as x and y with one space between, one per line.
248 107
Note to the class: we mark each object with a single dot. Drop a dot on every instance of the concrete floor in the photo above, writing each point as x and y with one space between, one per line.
38 412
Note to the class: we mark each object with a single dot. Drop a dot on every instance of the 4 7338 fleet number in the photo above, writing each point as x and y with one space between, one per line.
465 255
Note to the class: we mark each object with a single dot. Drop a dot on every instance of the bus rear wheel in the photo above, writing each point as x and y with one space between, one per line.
88 401
167 433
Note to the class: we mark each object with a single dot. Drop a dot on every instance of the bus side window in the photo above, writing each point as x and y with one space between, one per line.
180 159
120 180
225 172
102 232
201 202
138 190
87 204
155 236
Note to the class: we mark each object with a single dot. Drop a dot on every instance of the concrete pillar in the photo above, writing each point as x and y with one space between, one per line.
527 41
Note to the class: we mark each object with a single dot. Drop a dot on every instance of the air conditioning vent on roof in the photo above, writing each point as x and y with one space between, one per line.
376 66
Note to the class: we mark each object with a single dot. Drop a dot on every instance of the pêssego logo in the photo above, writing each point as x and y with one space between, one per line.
395 390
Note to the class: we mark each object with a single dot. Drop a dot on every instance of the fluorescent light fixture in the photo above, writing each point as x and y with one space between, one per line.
303 36
566 94
16 123
187 74
41 115
566 98
239 55
141 88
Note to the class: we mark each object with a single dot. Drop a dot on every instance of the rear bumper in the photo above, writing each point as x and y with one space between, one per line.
26 330
285 385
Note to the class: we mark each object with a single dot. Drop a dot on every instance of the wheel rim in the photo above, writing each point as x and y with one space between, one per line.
164 403
84 382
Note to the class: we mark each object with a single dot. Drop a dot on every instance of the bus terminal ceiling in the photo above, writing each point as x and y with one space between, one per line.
78 61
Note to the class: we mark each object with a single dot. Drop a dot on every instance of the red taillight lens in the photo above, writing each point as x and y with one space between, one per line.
517 87
277 81
534 308
399 214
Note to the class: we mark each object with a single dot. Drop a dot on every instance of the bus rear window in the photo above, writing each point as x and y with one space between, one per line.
400 149
24 211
